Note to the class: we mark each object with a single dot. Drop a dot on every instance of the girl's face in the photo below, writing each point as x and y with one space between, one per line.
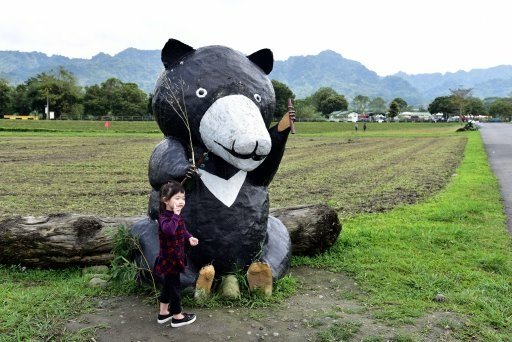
176 202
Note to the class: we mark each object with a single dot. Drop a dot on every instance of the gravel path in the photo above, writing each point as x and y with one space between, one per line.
325 301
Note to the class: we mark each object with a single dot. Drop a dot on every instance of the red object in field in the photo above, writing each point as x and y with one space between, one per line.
107 124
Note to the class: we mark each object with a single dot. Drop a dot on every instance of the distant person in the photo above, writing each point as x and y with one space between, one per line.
355 126
171 260
364 126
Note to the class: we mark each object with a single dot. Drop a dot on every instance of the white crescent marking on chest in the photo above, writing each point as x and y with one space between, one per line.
225 190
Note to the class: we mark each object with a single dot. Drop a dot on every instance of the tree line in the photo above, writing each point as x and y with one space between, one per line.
461 103
326 100
61 92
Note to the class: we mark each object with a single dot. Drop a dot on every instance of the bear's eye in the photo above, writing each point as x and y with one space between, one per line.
201 92
257 97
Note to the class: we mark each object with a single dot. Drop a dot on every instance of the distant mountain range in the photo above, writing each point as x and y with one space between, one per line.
131 65
302 74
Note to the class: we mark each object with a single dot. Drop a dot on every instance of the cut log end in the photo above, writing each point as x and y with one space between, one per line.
313 228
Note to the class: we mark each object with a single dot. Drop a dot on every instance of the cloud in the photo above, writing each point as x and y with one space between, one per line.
386 36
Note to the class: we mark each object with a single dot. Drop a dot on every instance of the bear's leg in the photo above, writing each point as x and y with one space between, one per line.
259 277
277 249
204 282
229 287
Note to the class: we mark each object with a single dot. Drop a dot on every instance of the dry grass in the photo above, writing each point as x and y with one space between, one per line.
356 175
105 173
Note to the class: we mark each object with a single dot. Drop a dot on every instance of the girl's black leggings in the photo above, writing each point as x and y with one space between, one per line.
171 293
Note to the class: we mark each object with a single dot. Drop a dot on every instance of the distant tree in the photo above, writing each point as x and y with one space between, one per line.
113 97
5 98
150 104
60 89
443 104
488 101
43 90
72 94
377 105
460 96
475 106
94 102
133 100
305 110
20 103
283 93
333 103
360 102
402 105
501 109
394 109
321 95
111 94
326 100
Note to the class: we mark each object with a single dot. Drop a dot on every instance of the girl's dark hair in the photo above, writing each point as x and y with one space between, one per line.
168 190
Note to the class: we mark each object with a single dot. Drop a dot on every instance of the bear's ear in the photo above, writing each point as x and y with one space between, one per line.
173 51
263 58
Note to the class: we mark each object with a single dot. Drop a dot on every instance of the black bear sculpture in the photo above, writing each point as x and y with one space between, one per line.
215 106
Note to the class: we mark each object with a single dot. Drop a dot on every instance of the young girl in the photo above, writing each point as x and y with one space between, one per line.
171 259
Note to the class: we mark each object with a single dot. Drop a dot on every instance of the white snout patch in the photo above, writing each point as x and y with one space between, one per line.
233 129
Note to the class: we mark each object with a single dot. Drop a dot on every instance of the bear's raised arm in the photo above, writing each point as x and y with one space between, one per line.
264 174
168 161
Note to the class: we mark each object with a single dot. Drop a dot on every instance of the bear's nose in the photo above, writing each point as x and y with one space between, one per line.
244 153
250 145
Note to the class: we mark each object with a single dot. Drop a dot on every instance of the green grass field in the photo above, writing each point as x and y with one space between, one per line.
419 205
454 244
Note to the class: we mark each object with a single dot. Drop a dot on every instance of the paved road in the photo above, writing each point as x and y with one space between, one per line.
497 139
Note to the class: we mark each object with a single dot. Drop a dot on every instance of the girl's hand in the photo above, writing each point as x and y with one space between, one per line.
193 241
177 209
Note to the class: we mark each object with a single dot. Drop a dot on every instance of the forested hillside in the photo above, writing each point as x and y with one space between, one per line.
302 74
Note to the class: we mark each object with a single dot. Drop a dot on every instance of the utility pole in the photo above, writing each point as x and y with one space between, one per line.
47 104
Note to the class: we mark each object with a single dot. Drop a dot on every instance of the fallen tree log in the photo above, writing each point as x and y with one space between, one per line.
72 239
59 240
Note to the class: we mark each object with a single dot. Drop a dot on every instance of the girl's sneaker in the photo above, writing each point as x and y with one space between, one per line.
164 318
187 319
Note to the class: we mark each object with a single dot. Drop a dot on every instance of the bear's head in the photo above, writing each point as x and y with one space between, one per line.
218 97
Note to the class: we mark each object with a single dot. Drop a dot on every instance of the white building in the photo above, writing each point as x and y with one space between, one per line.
343 116
415 116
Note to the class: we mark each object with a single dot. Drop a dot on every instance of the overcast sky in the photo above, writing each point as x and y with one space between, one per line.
386 36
